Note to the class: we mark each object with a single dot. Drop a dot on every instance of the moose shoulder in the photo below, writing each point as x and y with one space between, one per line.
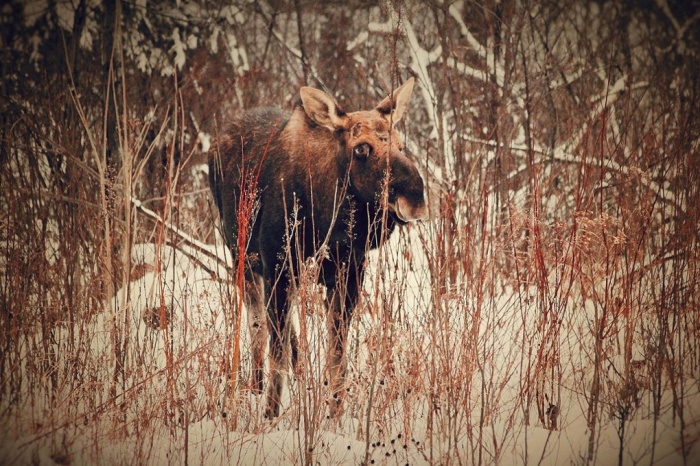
321 183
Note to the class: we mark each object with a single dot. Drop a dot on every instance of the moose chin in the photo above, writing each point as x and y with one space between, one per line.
318 183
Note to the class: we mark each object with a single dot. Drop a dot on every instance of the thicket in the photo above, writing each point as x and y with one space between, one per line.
559 141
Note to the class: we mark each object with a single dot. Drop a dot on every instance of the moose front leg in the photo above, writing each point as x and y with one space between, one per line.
341 301
257 325
277 309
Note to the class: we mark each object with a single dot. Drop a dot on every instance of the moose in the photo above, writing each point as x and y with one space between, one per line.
318 184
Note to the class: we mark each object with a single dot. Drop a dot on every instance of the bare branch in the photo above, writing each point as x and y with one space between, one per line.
197 246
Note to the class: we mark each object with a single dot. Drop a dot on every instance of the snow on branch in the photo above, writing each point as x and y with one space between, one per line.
663 5
456 13
494 68
421 59
466 70
679 28
195 248
294 51
360 39
562 154
604 101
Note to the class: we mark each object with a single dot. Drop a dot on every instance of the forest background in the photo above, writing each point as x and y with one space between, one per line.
549 309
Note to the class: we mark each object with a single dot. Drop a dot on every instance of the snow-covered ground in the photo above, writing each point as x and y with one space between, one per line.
419 392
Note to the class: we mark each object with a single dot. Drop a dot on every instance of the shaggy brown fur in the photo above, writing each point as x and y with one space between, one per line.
320 183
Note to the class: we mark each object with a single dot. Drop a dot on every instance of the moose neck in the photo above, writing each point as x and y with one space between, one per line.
368 224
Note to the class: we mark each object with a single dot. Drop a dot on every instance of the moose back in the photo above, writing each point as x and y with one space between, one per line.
318 183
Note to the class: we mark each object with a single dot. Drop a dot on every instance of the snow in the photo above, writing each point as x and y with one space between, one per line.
66 15
237 54
175 396
33 10
178 49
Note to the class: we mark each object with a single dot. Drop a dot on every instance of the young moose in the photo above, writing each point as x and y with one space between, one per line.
320 183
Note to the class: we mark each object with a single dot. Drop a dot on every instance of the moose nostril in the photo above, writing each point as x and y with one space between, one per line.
409 210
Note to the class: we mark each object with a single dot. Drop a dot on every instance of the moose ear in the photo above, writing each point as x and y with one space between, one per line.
397 102
322 108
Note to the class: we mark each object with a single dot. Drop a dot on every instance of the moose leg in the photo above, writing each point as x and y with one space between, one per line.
279 345
257 325
341 301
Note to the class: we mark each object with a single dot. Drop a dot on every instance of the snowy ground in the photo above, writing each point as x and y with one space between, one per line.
173 408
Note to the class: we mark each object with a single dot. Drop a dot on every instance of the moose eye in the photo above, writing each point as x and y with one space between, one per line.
362 151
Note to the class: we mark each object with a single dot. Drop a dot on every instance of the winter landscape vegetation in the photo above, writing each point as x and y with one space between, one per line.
547 312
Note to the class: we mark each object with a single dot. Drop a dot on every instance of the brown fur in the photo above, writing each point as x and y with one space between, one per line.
315 163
